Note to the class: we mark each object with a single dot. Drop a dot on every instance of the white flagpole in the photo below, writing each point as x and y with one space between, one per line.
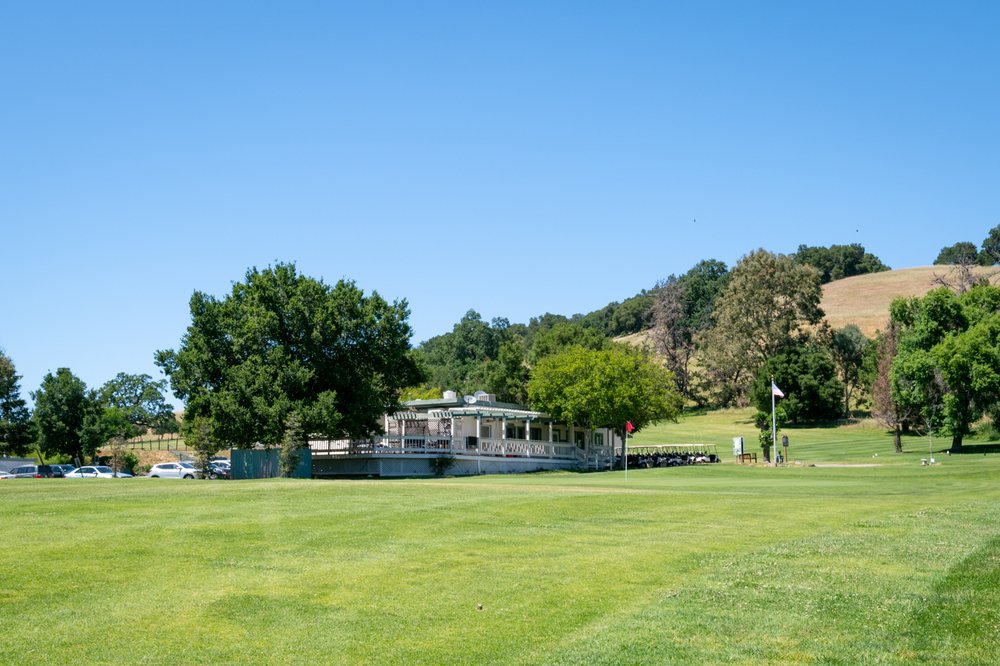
774 428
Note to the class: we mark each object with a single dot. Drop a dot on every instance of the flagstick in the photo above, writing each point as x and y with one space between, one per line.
774 428
625 451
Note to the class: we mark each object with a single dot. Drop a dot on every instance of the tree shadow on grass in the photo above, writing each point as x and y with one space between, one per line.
976 449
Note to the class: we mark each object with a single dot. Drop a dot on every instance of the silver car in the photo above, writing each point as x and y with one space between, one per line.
97 472
174 470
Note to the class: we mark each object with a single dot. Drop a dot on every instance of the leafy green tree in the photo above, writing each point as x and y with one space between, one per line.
458 359
682 308
199 435
989 252
848 348
959 253
109 425
768 429
562 336
768 300
508 375
839 261
294 443
947 365
62 407
807 376
141 400
283 342
16 427
615 319
604 388
970 367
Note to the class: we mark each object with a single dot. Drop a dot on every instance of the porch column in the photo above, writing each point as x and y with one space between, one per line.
527 428
402 433
550 432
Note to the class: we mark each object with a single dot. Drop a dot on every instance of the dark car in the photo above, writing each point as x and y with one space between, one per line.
37 472
217 471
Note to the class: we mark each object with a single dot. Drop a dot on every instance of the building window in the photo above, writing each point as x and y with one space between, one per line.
598 439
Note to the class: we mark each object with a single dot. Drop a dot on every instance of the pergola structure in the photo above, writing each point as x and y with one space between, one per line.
475 431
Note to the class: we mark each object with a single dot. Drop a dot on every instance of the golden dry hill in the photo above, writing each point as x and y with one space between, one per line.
864 300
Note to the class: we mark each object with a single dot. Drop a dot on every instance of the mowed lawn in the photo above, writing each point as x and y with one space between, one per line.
708 564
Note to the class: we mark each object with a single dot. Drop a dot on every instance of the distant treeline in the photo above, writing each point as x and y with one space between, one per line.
677 315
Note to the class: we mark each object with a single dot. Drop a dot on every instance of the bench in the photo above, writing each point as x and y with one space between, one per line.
747 457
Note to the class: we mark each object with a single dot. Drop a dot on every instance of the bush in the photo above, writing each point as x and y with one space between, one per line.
129 462
442 464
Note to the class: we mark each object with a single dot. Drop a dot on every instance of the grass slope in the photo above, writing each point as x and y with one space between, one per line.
709 564
864 299
855 443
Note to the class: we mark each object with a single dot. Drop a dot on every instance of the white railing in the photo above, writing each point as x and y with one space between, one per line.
434 444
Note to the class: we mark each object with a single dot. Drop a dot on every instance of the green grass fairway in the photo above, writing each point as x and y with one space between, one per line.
704 565
856 443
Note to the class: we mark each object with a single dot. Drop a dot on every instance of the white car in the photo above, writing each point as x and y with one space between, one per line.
96 472
5 475
171 470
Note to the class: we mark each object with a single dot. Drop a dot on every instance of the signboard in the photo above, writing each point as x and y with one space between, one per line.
737 446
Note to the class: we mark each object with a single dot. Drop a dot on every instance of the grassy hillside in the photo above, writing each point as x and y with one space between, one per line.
891 564
864 299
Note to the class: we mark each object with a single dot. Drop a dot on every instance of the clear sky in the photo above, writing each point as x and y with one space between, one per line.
512 157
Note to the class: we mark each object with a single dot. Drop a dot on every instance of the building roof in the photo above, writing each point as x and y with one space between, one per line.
459 406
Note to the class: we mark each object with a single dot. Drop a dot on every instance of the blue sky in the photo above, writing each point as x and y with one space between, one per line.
515 158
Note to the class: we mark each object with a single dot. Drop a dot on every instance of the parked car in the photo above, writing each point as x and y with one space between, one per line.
217 471
97 472
37 472
65 467
6 475
171 470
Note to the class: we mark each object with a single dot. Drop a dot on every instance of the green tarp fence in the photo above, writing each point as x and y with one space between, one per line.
263 464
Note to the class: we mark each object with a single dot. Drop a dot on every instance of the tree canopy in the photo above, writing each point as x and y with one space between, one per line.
598 388
806 374
141 401
65 415
839 261
947 364
283 342
768 299
16 428
989 249
959 253
458 359
682 308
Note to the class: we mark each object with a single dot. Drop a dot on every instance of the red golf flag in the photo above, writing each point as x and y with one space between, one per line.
629 427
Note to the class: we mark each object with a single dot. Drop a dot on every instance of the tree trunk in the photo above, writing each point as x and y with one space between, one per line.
897 439
956 442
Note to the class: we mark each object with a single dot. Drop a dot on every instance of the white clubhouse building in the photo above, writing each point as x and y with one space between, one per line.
470 435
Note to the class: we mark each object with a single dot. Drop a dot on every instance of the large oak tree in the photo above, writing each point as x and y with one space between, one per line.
768 300
283 342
